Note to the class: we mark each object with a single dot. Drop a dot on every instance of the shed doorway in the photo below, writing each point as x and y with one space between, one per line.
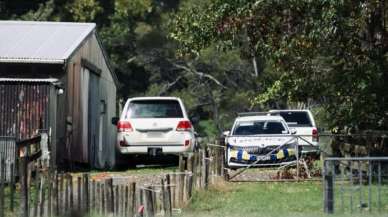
91 110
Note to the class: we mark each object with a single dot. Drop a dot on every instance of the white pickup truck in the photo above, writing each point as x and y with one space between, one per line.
304 124
261 140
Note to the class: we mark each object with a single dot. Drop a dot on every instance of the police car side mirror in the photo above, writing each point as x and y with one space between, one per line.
226 133
293 131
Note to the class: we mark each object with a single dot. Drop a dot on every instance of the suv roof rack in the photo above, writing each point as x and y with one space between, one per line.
245 114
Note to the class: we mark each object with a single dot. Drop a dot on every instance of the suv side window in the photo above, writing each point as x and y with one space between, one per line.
295 118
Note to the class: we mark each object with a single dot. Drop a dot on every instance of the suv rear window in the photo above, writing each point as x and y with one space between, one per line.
296 118
154 109
259 127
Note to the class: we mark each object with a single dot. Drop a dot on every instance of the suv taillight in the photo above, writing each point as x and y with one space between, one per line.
124 126
315 135
184 126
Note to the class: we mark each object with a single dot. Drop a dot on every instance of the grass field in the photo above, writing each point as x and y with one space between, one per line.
263 200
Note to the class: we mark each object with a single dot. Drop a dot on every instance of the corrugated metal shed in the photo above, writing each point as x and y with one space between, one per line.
41 42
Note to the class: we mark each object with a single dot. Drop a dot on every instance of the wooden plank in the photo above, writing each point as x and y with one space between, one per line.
37 193
79 194
93 195
126 201
148 203
168 196
49 195
98 199
103 199
24 212
122 200
71 193
110 193
182 163
173 191
27 142
189 186
2 182
132 200
180 187
66 181
86 202
56 194
61 194
116 201
35 156
12 186
42 196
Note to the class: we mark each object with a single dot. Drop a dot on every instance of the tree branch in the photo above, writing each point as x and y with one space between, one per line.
199 74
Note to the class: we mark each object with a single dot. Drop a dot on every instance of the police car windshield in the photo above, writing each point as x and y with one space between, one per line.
246 128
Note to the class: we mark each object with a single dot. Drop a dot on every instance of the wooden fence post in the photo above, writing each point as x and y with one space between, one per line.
61 201
79 200
49 194
167 196
37 191
93 196
24 187
42 195
98 199
86 202
103 199
328 190
126 201
66 181
173 190
116 199
189 185
71 191
56 194
132 199
2 181
12 186
148 203
110 193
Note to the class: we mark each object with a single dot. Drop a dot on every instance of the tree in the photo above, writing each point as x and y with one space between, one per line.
333 53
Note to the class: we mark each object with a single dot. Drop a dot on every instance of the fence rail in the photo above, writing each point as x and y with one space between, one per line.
48 193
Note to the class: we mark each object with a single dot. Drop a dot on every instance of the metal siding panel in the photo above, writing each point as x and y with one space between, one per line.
23 113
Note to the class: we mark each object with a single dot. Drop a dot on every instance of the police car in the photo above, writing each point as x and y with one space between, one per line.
259 139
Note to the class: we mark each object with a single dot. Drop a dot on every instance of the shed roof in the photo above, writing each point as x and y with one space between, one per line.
41 42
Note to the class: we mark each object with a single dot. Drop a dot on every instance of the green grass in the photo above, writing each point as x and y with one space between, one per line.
262 199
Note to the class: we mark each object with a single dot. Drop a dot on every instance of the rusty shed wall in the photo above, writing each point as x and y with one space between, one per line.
102 153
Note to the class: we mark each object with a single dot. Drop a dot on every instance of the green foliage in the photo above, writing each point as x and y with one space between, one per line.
84 10
43 13
324 54
207 128
329 52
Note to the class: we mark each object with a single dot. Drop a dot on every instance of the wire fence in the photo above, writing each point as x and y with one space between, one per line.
355 184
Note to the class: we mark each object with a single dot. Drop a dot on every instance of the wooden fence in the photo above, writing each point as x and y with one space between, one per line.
49 193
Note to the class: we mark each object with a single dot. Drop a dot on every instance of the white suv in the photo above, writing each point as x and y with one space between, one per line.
155 126
304 124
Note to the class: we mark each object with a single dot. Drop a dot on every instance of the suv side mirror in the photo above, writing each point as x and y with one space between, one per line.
226 133
293 131
115 120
